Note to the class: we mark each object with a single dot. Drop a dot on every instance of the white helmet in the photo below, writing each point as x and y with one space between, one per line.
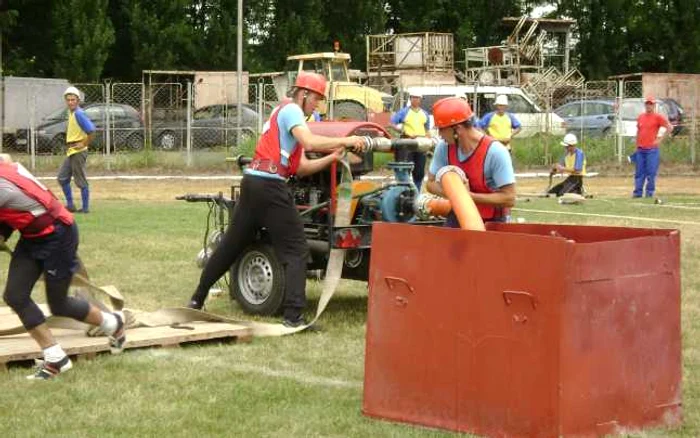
501 99
569 140
415 94
72 90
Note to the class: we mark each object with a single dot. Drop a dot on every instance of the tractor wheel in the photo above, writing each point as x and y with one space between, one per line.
257 280
344 111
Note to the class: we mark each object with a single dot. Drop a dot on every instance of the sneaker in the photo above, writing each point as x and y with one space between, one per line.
193 304
71 208
300 322
83 211
118 338
48 370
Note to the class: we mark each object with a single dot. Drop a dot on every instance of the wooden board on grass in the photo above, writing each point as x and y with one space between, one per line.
76 343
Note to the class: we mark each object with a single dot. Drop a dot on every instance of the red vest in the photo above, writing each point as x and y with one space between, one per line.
269 148
473 167
23 221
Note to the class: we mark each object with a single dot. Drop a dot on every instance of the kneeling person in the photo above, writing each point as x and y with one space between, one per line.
572 163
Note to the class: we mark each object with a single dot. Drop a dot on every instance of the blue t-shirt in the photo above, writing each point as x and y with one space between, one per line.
289 117
498 167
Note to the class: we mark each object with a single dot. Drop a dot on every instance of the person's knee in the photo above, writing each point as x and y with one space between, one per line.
15 301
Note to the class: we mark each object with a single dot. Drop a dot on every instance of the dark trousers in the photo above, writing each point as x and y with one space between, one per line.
572 184
418 160
264 203
646 167
55 256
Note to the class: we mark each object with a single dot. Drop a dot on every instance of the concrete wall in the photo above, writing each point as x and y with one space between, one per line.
27 98
218 87
684 88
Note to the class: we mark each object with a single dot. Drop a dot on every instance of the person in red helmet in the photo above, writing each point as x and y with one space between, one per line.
266 201
485 161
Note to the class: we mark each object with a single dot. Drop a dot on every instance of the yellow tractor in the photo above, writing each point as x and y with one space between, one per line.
347 100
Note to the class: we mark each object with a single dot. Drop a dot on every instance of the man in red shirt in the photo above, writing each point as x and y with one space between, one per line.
646 157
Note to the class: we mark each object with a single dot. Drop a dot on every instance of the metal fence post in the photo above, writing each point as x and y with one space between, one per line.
108 124
188 134
618 121
32 130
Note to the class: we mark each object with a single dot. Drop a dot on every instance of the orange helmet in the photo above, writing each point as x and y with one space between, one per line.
312 82
451 111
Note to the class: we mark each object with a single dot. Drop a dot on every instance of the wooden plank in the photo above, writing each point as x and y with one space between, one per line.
74 342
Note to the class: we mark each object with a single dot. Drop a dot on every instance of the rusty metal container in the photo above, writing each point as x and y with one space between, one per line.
529 330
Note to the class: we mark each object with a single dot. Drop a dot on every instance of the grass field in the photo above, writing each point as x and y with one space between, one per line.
141 240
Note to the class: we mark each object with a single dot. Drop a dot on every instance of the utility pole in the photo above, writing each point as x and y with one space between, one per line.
239 67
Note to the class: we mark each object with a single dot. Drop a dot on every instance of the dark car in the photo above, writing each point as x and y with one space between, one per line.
591 117
126 128
675 115
212 125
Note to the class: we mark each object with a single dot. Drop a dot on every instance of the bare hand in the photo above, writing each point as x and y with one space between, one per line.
338 154
356 143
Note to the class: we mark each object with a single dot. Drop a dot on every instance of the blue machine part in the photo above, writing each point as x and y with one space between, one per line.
397 201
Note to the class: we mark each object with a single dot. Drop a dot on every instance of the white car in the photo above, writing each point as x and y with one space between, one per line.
531 117
630 109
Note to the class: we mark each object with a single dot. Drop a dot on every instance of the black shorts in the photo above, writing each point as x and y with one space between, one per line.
57 252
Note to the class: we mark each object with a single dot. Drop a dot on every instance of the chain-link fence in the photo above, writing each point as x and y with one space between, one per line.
183 121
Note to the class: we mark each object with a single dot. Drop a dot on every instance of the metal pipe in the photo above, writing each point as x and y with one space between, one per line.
381 144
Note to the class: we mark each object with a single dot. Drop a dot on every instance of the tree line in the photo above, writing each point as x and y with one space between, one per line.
94 40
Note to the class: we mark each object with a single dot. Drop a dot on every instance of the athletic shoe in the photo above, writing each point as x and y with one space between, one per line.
300 322
48 370
118 338
71 208
194 305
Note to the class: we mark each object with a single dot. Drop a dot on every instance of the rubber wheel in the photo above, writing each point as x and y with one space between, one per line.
257 280
58 144
167 140
349 111
135 142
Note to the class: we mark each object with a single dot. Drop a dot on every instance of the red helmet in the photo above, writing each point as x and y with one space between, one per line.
312 82
451 111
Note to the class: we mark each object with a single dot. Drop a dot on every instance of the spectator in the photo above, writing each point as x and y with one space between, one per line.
646 157
413 121
79 133
500 124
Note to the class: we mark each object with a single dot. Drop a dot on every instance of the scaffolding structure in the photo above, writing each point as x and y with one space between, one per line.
400 60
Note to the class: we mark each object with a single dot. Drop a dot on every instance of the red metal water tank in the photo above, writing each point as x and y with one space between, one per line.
529 330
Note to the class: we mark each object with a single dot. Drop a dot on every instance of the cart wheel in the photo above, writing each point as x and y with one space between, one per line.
257 280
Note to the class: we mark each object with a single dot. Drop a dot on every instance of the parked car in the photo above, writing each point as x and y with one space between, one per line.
676 115
126 128
596 117
212 125
591 117
532 118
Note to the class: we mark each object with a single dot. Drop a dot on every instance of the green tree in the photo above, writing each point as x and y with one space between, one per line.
162 35
27 46
83 35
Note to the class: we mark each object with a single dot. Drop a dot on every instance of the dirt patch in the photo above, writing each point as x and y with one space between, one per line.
168 189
